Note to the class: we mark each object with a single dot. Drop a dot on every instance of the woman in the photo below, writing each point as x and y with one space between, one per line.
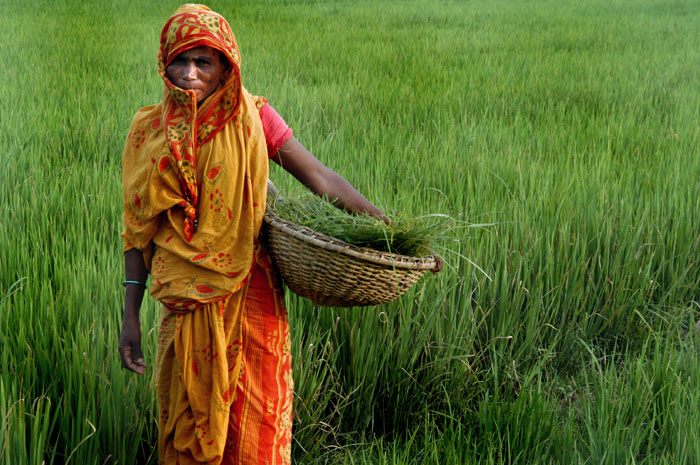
195 174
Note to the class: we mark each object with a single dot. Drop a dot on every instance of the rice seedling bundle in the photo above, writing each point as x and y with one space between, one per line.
414 237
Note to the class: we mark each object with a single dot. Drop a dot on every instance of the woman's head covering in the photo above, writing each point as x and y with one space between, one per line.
194 25
200 170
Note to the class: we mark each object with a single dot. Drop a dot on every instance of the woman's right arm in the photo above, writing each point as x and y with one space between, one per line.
130 337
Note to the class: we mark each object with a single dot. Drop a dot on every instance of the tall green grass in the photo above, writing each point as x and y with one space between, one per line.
564 132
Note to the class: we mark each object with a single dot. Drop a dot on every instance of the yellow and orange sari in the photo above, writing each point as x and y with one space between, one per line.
194 185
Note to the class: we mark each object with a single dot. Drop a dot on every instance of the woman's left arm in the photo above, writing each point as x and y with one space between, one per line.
297 160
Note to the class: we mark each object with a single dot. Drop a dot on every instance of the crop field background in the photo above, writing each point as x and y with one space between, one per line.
565 325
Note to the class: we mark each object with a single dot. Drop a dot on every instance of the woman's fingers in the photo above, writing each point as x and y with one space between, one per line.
130 347
438 265
132 361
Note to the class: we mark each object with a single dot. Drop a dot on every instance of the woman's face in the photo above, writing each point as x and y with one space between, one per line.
199 69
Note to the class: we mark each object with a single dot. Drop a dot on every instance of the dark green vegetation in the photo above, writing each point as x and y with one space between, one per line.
570 127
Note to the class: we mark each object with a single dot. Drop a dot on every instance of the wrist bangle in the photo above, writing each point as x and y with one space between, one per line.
124 283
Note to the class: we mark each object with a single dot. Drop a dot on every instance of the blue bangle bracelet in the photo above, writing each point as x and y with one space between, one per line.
124 283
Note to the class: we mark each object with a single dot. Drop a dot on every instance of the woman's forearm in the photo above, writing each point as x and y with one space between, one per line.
135 270
345 196
321 180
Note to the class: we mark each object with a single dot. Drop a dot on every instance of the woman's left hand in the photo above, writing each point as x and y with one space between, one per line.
438 265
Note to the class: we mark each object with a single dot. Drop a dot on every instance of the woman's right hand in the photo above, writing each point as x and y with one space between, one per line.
130 337
130 345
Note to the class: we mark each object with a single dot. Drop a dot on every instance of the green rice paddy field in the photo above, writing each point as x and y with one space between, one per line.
564 328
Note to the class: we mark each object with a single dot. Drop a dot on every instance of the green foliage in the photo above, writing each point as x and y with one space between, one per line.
567 130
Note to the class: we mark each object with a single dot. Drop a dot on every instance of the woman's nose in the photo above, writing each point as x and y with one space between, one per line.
190 72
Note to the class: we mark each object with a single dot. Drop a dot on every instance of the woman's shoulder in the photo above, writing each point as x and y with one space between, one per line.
145 134
147 114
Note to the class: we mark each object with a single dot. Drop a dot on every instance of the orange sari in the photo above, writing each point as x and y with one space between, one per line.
194 186
259 424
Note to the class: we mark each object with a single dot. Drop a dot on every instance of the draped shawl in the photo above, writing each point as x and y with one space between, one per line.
195 178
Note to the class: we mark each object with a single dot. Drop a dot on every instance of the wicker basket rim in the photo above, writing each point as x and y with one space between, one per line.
332 244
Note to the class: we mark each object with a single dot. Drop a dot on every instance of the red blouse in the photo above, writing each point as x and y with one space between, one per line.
276 130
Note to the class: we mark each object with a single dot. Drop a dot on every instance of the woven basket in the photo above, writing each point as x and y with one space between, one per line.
334 273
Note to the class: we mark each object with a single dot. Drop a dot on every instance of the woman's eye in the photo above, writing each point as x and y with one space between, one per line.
202 62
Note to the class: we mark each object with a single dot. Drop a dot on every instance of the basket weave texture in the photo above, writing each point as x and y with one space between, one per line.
332 272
